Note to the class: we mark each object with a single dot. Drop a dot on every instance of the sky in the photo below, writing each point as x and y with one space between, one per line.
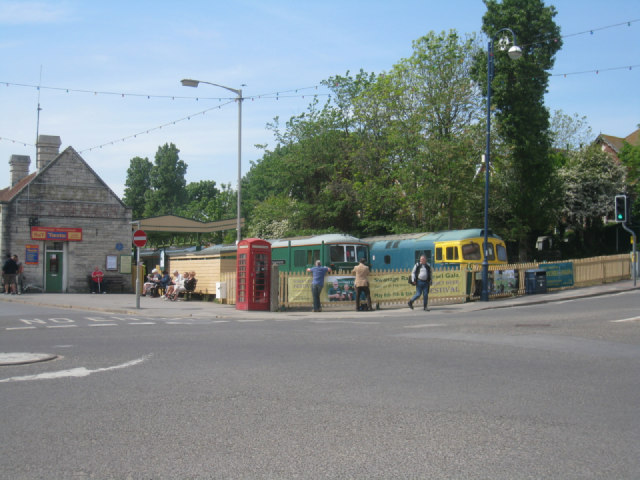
109 71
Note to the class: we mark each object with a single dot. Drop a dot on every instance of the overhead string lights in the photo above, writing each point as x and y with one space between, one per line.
159 127
298 93
293 93
591 31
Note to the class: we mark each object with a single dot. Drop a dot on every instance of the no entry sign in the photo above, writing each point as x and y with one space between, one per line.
139 238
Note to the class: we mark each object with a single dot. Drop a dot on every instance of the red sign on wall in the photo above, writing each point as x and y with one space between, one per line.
56 234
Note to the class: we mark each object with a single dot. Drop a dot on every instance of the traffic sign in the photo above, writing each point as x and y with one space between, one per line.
139 238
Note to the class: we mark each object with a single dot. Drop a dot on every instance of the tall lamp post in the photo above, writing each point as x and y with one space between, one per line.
194 83
514 53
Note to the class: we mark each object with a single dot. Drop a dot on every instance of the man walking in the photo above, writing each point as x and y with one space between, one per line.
9 271
317 283
361 271
421 278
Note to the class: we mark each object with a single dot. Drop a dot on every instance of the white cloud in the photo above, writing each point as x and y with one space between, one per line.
21 13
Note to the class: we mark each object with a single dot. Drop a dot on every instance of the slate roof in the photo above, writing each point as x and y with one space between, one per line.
616 143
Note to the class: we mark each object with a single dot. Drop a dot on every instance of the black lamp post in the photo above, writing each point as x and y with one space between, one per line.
514 53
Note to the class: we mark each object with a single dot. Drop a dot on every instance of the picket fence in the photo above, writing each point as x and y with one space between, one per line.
450 286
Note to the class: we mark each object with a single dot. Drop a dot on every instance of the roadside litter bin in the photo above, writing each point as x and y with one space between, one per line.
535 281
221 290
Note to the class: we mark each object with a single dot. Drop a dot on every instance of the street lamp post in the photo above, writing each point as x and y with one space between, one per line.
194 83
514 52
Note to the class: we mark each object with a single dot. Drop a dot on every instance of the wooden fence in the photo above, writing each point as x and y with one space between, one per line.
450 285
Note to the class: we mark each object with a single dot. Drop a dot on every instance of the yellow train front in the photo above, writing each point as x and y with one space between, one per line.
446 248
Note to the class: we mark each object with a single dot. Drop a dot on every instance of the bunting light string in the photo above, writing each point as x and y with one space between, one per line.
280 94
24 144
584 32
590 31
596 71
159 127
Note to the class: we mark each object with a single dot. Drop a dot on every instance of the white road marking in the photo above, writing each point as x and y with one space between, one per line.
632 319
74 372
20 328
142 323
426 325
352 322
103 324
61 326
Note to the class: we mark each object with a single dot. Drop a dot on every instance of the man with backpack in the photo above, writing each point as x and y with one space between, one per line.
421 277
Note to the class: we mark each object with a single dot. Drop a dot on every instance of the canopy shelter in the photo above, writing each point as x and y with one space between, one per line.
183 230
173 224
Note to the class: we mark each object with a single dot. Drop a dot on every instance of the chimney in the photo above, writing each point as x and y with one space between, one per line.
19 166
48 148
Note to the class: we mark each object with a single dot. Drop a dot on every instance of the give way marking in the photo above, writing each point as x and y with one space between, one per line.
74 372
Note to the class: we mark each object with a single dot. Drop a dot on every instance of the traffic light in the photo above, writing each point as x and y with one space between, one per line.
621 208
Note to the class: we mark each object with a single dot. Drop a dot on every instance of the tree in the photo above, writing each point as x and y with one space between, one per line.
629 155
569 132
167 180
522 121
137 185
591 179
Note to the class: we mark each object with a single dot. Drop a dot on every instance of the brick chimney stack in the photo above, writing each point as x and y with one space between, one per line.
48 148
19 167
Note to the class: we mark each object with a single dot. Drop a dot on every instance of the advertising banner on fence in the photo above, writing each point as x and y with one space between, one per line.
384 287
395 287
558 274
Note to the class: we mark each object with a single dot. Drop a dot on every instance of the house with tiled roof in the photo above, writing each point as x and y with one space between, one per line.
612 144
62 221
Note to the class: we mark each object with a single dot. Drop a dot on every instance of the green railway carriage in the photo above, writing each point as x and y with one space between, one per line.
340 252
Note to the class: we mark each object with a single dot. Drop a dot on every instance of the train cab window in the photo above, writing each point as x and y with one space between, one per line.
438 254
361 252
336 252
452 253
502 253
490 253
387 259
471 251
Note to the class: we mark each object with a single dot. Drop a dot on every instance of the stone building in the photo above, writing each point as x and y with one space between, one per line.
62 221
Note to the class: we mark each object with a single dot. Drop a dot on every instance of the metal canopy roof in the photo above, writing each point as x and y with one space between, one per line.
171 223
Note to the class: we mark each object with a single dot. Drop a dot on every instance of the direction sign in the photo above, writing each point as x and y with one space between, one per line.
139 238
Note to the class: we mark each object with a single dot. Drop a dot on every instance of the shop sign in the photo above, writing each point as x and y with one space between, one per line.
56 234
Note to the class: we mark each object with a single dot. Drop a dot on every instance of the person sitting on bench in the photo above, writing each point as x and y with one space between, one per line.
97 276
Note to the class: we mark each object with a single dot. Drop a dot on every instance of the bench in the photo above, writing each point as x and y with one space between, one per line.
110 284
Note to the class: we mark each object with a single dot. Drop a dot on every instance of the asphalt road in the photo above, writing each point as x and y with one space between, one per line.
543 391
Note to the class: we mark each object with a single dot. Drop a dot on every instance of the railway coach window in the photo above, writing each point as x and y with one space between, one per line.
471 251
452 253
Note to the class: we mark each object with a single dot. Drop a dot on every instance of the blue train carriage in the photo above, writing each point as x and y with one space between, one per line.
446 248
339 251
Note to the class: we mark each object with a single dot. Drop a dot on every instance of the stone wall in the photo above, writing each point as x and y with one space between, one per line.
67 193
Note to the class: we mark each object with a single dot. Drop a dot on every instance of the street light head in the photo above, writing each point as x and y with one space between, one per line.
187 82
515 52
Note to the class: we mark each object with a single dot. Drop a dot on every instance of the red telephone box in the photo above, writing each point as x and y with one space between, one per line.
253 274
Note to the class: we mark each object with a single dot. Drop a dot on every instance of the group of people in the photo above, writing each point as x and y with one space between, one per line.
172 286
11 275
421 277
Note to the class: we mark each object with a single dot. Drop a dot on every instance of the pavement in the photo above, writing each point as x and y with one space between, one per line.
156 307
